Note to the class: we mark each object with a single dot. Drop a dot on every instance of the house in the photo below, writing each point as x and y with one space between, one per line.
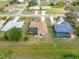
12 7
39 2
20 0
12 24
69 1
38 28
54 1
63 30
35 8
78 20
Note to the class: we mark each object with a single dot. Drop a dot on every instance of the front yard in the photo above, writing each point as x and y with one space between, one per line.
27 11
56 11
8 13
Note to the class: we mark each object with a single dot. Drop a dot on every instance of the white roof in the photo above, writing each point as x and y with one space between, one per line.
20 0
54 1
19 24
12 24
8 26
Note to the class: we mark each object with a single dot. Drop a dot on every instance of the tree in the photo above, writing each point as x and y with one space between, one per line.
5 36
14 34
76 3
6 54
69 56
71 15
70 8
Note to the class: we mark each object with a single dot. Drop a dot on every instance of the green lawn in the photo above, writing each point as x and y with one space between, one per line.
56 11
2 18
40 51
27 11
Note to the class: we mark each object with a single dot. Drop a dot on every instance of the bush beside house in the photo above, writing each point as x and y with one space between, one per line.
13 35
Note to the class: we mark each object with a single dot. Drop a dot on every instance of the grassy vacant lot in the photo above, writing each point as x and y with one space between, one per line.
43 47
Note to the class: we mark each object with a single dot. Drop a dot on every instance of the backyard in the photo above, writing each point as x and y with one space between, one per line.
40 50
41 47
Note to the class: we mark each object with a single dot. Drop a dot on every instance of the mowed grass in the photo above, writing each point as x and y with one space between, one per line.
27 11
56 11
40 51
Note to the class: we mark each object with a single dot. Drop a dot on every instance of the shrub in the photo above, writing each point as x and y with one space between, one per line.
6 54
14 34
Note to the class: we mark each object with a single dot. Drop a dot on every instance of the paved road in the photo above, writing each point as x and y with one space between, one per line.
19 14
21 10
30 15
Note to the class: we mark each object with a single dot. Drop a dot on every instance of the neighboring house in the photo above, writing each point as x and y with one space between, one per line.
20 0
54 1
78 20
39 2
35 8
12 7
69 1
38 28
63 30
12 24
